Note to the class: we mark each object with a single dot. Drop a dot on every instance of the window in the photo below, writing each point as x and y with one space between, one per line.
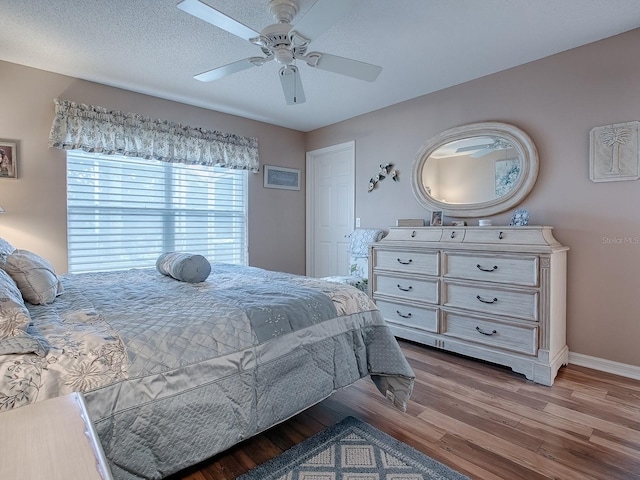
124 212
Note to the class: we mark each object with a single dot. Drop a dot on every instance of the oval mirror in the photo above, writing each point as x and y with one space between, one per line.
475 170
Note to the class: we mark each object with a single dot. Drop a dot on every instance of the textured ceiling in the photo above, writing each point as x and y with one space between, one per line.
150 46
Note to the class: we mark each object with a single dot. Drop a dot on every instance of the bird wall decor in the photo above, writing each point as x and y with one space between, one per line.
383 172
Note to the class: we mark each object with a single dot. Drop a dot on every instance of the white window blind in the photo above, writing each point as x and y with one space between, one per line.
123 212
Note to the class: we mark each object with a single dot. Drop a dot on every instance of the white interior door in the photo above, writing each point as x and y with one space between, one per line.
330 208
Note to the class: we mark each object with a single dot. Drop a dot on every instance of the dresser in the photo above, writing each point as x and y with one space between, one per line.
492 293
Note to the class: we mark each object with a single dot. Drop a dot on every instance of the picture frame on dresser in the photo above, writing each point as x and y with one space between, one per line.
436 218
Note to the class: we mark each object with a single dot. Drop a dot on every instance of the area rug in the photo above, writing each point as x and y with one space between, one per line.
352 450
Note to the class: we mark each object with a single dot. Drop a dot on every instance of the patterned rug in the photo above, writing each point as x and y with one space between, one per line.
352 450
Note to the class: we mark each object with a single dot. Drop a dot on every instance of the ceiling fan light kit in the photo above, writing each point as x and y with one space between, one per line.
284 44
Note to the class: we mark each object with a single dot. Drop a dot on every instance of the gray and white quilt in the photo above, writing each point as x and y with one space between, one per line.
175 372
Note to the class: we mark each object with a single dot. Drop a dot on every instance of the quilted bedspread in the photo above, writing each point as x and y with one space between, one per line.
175 372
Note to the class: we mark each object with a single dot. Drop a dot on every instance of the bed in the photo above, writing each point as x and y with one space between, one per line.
174 372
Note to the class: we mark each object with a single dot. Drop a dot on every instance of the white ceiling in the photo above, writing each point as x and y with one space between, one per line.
150 46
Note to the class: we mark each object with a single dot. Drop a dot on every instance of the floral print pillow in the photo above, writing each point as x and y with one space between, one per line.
14 316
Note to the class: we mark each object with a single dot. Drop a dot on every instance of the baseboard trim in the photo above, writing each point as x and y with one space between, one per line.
622 369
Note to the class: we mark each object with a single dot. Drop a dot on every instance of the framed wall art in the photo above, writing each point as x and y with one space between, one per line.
8 159
281 177
614 155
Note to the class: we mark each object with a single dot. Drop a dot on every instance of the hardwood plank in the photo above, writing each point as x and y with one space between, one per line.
485 464
503 447
462 412
590 459
482 420
632 451
601 420
517 404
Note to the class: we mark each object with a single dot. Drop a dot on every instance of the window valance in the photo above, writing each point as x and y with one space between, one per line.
96 129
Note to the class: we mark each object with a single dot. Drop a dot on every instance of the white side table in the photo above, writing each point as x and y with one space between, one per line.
54 440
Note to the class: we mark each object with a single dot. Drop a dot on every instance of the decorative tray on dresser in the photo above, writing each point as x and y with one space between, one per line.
493 293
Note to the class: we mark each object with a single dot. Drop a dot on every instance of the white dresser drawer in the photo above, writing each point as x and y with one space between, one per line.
521 339
516 270
453 235
522 304
421 290
407 261
419 234
505 235
423 318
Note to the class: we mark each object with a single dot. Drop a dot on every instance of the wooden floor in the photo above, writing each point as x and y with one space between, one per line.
482 420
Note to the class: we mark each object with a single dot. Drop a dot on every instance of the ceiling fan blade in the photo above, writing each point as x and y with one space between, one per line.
216 73
345 66
219 19
473 148
321 16
291 85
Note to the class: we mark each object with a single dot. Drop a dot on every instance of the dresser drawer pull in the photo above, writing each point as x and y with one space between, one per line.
453 234
486 301
408 315
405 263
405 289
500 236
485 333
493 269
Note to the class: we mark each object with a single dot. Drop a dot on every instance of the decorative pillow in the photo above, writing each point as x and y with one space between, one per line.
186 267
14 316
6 249
360 239
35 277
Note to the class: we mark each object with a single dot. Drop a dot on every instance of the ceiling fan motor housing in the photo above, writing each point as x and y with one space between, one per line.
276 40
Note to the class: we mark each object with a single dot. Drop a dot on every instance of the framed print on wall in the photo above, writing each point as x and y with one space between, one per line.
8 159
281 177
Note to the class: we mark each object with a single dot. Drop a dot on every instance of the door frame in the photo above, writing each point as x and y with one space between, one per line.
310 195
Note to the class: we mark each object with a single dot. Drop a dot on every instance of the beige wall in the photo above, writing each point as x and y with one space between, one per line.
557 100
36 202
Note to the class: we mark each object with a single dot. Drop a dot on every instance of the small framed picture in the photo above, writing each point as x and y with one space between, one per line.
281 177
459 223
8 159
436 218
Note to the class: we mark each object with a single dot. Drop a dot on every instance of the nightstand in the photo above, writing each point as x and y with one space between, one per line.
53 439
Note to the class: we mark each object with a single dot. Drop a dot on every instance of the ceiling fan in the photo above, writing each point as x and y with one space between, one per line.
285 43
485 149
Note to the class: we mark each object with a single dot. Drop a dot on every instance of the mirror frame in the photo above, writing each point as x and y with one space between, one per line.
519 139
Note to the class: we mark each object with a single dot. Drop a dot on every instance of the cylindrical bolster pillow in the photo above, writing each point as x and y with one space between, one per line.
186 267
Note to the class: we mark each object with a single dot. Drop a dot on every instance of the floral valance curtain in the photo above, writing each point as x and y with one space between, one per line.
96 129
